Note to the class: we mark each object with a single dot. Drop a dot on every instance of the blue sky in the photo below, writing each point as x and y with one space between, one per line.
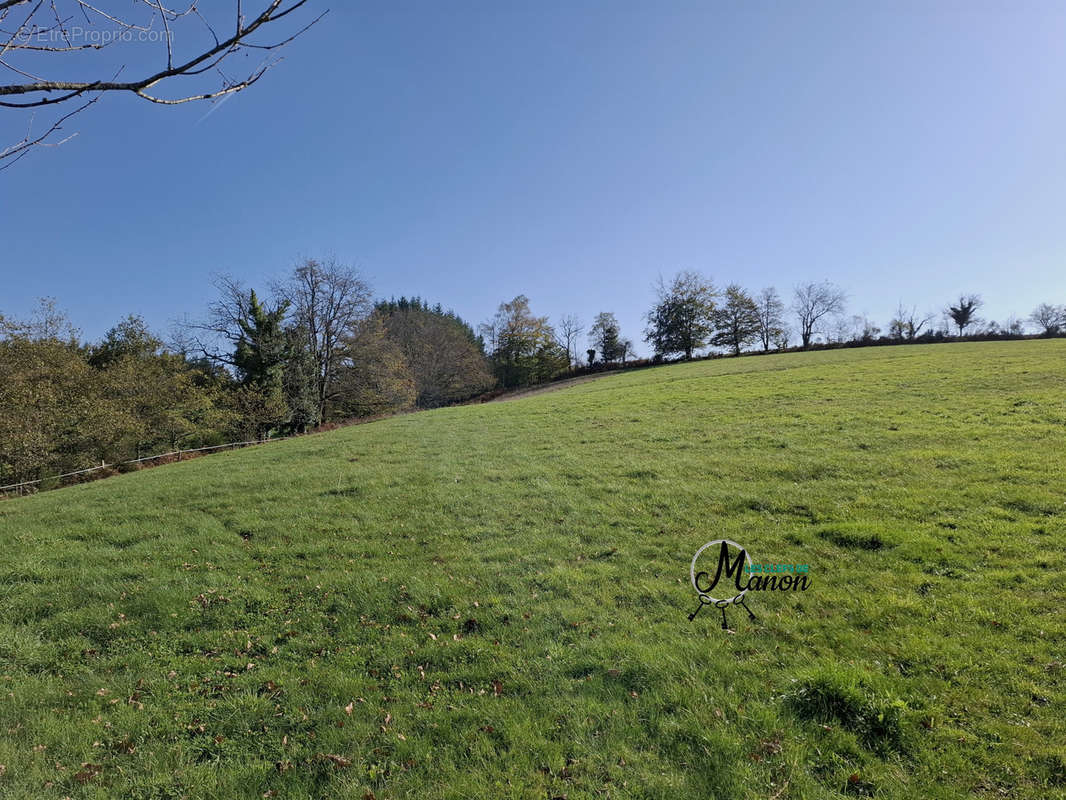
572 152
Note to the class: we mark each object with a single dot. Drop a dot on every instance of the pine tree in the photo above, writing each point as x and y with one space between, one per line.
260 357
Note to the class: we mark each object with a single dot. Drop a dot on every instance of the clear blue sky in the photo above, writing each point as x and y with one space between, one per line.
572 151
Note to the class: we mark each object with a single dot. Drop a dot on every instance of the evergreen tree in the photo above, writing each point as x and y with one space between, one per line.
262 351
298 383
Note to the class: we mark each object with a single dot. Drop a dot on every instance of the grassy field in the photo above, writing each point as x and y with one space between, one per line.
491 601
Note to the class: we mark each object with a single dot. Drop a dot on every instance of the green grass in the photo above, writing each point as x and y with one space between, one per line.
491 601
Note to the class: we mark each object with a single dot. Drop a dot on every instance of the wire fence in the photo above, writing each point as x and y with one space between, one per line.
25 487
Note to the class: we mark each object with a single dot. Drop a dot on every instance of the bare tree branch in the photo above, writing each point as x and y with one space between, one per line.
215 338
43 35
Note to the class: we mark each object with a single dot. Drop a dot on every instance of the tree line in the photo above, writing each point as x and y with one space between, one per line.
691 316
315 348
309 350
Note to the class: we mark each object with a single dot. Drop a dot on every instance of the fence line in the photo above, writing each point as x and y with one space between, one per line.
138 461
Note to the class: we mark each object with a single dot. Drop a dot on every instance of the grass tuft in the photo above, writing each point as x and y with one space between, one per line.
845 696
853 537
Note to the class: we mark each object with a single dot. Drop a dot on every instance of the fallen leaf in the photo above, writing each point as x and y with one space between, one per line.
88 772
339 761
497 688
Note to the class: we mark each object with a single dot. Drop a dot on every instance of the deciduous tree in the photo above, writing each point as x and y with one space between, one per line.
374 377
443 353
329 301
907 324
606 335
570 328
736 320
812 303
524 349
1049 318
771 316
682 319
130 338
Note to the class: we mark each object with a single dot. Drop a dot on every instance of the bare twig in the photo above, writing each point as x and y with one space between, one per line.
13 153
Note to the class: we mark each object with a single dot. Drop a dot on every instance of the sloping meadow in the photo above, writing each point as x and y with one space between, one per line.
492 601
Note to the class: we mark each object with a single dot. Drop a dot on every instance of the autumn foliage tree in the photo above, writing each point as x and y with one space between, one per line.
443 353
523 347
373 376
